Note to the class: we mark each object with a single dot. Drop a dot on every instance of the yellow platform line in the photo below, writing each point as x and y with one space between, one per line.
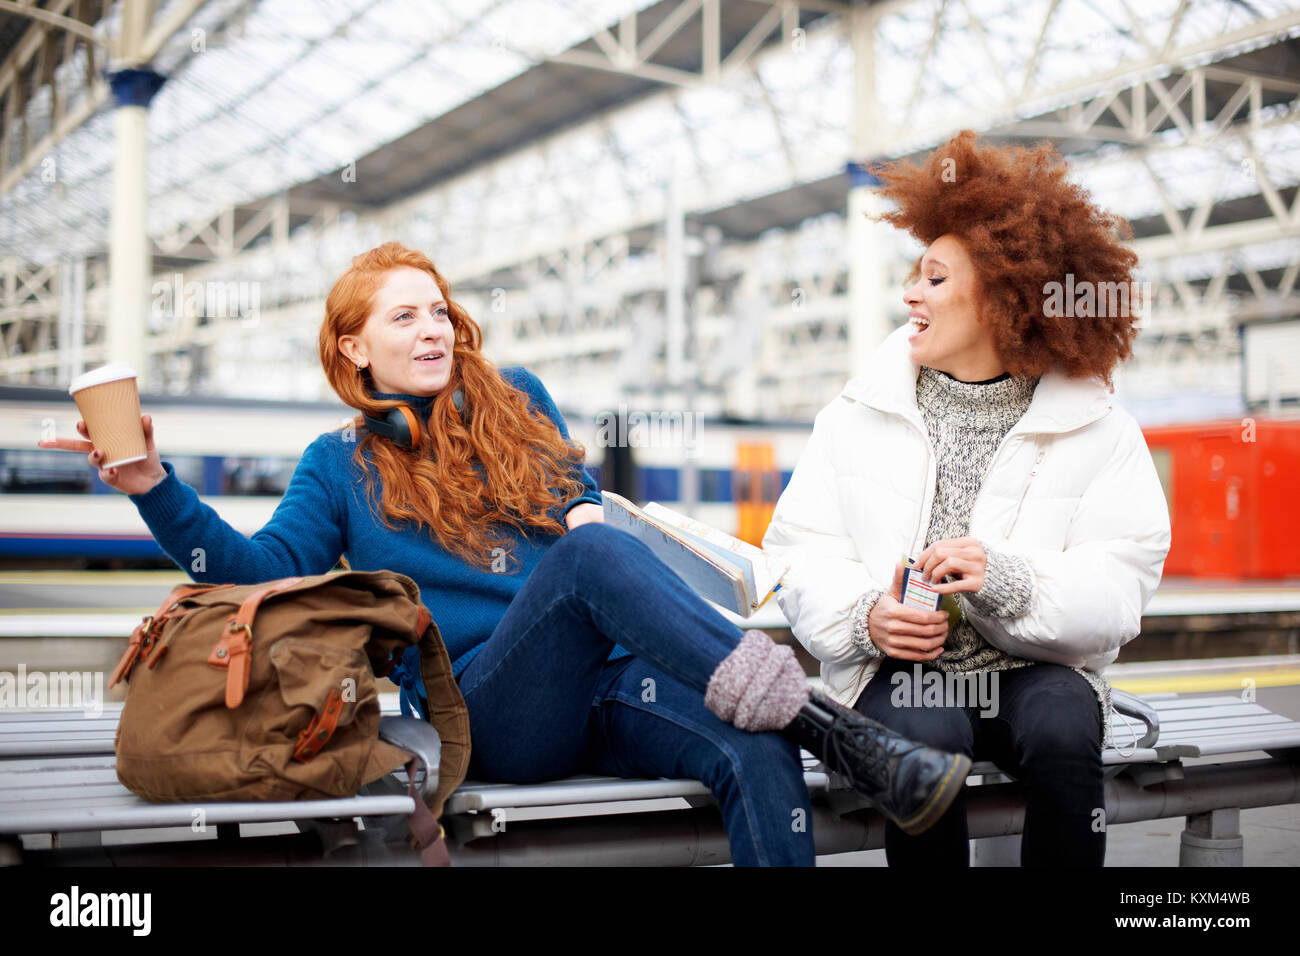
1194 683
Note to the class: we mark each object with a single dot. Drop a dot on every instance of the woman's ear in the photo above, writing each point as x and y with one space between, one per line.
350 349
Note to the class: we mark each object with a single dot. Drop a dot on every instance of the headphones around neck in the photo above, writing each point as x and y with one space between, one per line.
401 425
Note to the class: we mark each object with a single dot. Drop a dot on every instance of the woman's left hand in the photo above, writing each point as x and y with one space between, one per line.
584 513
962 558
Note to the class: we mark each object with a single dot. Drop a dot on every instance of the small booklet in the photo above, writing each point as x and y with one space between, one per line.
722 569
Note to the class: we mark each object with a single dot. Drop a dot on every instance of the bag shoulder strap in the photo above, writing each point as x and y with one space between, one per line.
233 652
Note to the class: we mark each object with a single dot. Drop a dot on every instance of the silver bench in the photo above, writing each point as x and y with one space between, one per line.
56 777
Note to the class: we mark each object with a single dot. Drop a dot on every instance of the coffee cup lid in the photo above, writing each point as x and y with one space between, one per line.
98 376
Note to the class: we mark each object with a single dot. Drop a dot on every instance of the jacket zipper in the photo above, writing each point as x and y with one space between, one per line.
1038 460
927 495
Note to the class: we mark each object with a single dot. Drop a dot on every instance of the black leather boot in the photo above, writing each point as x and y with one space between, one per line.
911 783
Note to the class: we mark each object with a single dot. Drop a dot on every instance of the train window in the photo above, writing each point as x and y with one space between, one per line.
1164 462
43 471
744 486
256 476
715 484
189 469
660 484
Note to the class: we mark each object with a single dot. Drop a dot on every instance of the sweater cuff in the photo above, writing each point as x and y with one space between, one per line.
861 612
1008 585
163 502
590 498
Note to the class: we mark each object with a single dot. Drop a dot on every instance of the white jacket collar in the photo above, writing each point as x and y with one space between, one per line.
1060 403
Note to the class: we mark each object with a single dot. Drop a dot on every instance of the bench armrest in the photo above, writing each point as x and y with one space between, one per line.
421 741
1131 705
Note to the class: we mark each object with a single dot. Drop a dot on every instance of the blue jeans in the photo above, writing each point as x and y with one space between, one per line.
1047 732
544 701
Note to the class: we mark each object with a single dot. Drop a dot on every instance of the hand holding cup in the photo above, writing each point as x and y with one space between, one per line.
122 448
133 478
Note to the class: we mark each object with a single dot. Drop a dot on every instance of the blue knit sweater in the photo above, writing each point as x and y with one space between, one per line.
324 514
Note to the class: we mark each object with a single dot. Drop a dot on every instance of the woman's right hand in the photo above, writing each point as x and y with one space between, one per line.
132 479
907 633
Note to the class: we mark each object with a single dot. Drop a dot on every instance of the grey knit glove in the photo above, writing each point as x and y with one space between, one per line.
1008 589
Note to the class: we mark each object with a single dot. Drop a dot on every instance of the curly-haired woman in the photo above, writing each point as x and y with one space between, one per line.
982 440
574 647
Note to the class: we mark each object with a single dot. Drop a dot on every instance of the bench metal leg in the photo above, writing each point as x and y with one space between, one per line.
996 851
11 851
76 838
1212 839
334 834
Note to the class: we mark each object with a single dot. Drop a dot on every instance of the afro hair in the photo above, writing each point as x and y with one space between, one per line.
1056 280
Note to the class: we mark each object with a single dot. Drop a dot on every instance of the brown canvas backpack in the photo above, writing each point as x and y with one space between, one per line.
268 691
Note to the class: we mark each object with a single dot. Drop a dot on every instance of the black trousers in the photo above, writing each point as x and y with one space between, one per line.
1041 724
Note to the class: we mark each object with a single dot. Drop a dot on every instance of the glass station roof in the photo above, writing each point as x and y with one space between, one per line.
263 96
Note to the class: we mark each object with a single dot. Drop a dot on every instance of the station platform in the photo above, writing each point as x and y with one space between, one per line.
110 603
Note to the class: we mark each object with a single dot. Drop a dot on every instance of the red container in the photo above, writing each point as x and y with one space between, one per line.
1234 497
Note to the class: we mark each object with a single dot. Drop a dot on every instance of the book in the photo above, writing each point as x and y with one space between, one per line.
725 570
919 592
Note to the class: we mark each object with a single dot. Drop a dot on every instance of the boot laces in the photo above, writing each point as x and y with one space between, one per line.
851 749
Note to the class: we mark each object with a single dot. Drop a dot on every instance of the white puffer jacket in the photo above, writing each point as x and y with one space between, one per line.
1072 489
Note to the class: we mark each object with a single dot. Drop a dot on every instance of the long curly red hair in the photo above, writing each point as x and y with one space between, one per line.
1025 227
528 468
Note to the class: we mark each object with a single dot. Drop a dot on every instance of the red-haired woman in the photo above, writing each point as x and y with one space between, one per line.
981 439
575 648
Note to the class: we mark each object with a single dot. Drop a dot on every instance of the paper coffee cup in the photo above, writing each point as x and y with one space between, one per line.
110 405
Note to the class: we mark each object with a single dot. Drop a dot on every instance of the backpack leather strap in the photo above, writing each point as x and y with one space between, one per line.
318 733
426 833
142 638
234 651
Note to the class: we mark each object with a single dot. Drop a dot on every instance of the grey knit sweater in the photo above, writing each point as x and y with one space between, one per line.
967 421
